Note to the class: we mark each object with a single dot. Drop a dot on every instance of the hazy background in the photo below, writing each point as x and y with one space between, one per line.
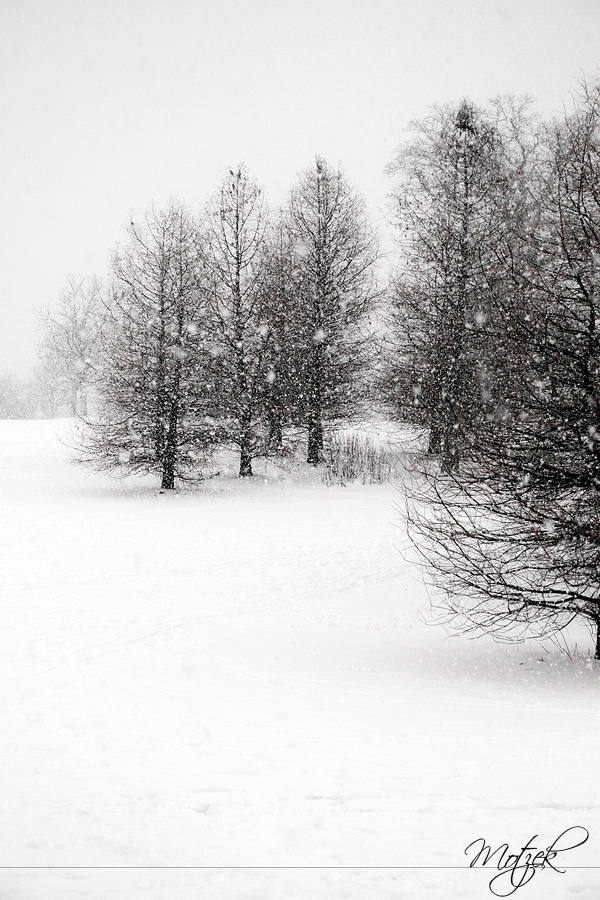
108 105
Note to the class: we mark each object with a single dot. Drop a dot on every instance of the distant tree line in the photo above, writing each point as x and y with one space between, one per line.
17 397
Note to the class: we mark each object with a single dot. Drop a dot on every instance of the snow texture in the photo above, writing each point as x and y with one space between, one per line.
240 678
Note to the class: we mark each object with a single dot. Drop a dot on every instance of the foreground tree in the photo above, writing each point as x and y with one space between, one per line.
234 257
155 374
513 538
335 253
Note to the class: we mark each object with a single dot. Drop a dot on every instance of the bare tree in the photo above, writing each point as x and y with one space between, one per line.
69 346
282 406
155 370
513 538
235 259
456 197
335 254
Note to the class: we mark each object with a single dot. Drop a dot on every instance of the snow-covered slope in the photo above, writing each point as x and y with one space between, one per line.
240 678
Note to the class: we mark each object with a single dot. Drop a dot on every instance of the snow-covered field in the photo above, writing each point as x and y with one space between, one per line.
239 678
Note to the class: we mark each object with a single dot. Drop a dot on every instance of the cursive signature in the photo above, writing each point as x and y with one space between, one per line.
517 869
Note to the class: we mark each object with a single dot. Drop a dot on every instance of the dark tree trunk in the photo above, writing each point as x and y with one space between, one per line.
246 448
170 451
315 412
597 654
315 441
435 439
449 450
245 461
168 476
443 443
161 399
275 440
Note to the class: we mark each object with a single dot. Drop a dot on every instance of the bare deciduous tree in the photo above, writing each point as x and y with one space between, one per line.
458 194
235 259
281 404
154 379
69 347
335 253
513 537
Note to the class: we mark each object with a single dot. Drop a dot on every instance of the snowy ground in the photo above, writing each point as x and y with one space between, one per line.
239 678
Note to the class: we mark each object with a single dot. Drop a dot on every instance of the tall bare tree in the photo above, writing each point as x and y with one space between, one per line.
235 259
335 252
281 393
449 208
155 368
513 538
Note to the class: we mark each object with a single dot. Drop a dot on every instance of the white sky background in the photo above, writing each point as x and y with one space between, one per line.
108 105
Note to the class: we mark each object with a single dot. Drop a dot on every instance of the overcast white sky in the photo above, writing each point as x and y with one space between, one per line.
108 105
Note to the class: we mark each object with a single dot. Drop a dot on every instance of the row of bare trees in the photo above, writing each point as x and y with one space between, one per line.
224 328
497 354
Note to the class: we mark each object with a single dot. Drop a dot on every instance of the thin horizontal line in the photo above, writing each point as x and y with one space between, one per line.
422 868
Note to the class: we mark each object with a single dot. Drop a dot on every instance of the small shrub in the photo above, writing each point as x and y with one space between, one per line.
353 457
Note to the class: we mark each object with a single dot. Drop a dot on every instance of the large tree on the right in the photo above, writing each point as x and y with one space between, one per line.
513 537
456 190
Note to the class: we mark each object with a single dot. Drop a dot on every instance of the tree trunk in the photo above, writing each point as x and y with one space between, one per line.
435 439
443 443
275 439
245 461
315 441
74 409
170 451
449 450
597 654
168 475
315 412
246 448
